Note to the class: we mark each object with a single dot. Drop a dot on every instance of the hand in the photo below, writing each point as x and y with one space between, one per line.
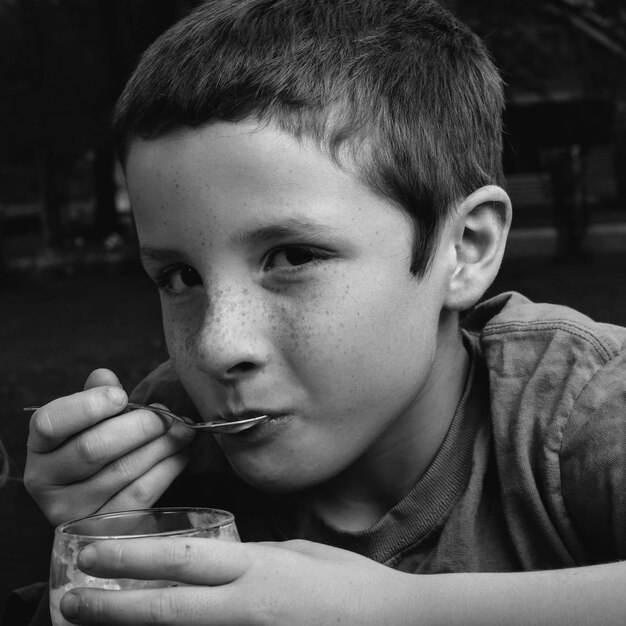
84 457
295 582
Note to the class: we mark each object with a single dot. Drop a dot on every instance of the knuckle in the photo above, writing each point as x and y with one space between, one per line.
144 424
127 467
41 425
35 486
90 450
163 609
57 513
43 494
149 425
140 493
99 607
31 480
118 555
298 545
93 402
102 401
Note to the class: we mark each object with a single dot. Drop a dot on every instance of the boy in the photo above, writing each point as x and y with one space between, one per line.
316 192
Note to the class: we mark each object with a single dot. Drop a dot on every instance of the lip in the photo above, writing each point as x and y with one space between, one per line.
248 414
261 431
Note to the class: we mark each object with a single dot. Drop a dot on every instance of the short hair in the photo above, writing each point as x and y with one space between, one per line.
399 91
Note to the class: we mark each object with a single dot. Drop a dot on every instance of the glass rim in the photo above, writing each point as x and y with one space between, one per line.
229 518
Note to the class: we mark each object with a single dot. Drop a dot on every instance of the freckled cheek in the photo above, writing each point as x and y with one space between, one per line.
365 323
179 331
324 333
298 325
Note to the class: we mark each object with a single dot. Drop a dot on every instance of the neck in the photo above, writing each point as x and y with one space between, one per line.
358 497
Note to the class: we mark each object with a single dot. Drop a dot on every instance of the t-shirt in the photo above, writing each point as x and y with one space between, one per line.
530 475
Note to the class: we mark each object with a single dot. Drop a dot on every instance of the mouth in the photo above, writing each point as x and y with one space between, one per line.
237 416
258 431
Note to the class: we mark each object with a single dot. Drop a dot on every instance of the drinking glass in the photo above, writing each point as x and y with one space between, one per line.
71 537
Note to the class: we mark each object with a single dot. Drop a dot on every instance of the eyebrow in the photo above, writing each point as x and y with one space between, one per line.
289 227
156 254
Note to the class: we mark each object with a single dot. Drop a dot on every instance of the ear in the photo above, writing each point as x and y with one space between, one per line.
480 228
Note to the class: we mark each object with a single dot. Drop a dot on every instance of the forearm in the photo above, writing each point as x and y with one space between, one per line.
308 584
586 595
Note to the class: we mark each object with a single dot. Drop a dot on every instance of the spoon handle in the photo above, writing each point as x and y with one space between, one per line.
157 409
217 426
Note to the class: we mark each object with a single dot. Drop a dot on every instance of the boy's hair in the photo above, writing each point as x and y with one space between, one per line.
398 91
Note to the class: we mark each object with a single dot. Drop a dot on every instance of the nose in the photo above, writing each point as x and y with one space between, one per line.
232 340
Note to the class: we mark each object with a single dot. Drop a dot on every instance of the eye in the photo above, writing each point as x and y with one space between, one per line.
175 280
292 256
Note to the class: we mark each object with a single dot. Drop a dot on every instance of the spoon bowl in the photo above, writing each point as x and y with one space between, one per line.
216 426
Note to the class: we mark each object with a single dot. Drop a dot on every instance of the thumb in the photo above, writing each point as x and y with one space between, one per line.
100 378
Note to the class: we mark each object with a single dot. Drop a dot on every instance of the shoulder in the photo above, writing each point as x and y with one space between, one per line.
540 357
550 350
558 396
548 359
547 363
512 318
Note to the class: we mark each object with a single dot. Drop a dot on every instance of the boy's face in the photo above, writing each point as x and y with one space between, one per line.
286 290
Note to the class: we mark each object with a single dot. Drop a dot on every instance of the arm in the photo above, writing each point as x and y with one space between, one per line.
305 583
582 595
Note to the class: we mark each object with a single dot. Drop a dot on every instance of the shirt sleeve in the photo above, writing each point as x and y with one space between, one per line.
28 606
593 464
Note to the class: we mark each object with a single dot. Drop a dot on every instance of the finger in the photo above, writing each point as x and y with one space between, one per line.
145 490
111 443
58 420
102 378
192 606
110 492
188 560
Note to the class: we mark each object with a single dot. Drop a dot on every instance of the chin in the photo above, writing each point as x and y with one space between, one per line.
277 481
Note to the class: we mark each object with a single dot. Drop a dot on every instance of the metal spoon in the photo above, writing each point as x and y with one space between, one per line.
217 426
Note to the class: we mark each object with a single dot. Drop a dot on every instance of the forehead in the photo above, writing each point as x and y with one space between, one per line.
241 173
242 153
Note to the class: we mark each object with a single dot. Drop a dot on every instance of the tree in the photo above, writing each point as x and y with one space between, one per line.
63 64
54 72
564 63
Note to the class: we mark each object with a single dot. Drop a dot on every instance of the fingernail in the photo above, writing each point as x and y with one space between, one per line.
70 604
87 558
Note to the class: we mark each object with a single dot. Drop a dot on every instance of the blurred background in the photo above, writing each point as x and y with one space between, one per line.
72 296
